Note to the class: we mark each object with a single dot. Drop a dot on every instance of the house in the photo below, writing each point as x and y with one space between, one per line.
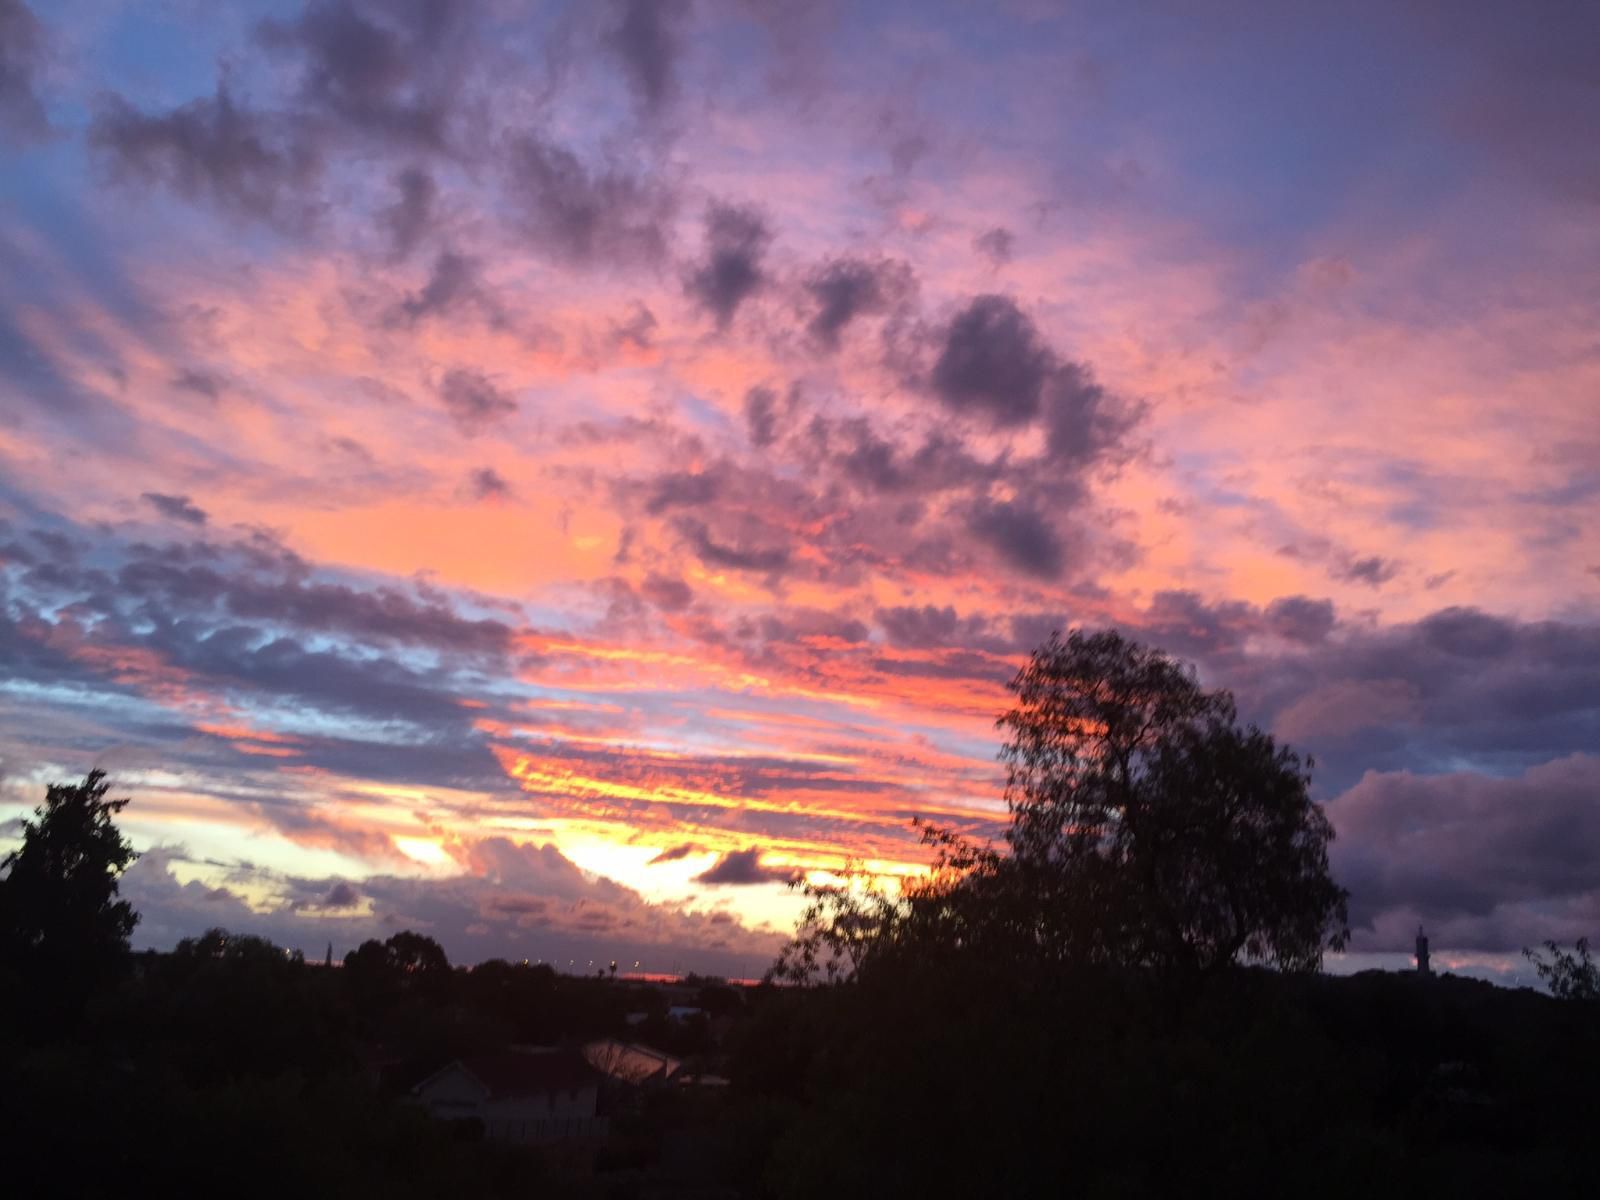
519 1095
627 1062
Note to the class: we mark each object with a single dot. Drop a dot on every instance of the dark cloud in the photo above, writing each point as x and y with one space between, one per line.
647 41
674 854
341 895
1466 633
747 554
667 593
872 461
582 216
22 48
381 68
213 150
238 621
736 242
485 483
742 868
1301 619
996 245
336 682
1458 688
454 283
868 459
1521 90
927 626
201 383
1487 863
1083 424
1374 571
846 288
1021 536
638 330
473 401
993 361
683 489
799 624
176 508
408 220
216 582
761 416
1183 623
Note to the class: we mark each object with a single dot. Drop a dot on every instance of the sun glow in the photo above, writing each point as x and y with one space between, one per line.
424 850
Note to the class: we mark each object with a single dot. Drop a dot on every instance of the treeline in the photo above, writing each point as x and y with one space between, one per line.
237 1069
241 1069
949 1077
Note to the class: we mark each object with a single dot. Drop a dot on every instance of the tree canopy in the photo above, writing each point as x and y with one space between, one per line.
1570 975
406 963
1148 829
61 920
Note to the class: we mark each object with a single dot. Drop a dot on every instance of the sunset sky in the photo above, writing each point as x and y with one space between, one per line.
545 475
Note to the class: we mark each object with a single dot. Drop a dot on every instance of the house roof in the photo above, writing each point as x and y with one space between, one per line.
630 1062
506 1074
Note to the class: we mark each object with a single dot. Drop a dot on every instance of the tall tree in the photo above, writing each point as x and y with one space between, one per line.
1170 836
63 928
408 962
1148 829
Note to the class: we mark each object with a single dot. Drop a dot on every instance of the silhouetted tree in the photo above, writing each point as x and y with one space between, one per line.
417 955
63 929
407 963
196 999
1149 829
1177 839
218 945
1569 976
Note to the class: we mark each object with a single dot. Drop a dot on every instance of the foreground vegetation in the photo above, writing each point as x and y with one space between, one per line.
252 1073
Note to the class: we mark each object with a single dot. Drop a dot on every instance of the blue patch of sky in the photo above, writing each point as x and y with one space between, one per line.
103 700
1200 471
305 721
167 55
705 414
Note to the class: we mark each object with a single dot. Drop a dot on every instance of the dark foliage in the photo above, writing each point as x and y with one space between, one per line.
1149 831
63 930
1180 840
1074 1012
952 1079
1569 975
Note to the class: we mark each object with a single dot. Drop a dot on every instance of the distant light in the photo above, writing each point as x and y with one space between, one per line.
423 850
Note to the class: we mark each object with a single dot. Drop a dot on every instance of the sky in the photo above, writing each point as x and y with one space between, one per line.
549 476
